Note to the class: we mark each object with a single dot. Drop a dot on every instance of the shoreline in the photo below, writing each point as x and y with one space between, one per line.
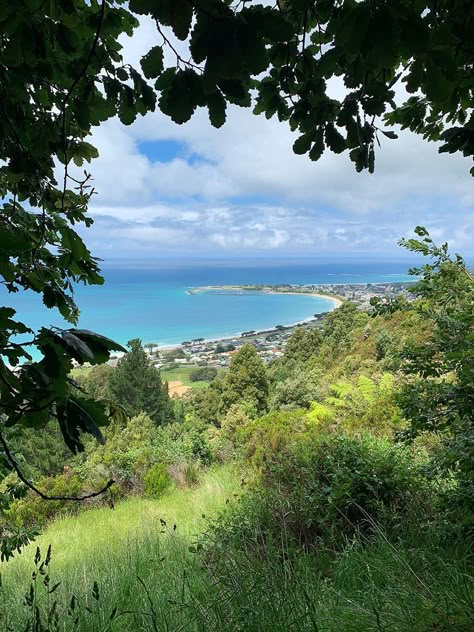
337 302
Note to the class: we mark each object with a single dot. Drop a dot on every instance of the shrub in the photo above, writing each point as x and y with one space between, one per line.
34 511
191 474
315 489
206 374
156 481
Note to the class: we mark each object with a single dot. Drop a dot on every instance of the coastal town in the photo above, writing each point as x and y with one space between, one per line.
270 343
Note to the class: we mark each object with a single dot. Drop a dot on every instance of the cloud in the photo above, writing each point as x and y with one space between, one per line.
242 189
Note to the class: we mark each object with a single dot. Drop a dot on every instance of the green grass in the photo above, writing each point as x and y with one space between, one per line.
80 371
181 374
147 575
116 546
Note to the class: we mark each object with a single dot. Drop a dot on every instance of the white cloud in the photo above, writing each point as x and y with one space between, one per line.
251 192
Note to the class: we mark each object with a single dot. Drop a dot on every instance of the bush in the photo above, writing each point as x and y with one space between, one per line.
206 374
32 510
315 489
156 481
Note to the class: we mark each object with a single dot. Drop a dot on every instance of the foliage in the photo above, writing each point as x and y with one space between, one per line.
302 344
52 93
33 511
316 488
137 386
290 54
38 453
96 381
75 79
407 584
439 394
205 404
245 381
294 392
206 374
174 354
156 480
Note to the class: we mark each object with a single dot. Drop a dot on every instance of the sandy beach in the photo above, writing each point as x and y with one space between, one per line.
337 302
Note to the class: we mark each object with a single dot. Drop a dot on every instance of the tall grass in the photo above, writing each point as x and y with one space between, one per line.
130 569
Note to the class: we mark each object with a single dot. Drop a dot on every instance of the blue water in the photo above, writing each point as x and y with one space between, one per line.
148 300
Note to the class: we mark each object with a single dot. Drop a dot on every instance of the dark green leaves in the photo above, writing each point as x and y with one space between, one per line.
78 415
303 144
175 13
152 62
334 139
181 94
217 108
99 346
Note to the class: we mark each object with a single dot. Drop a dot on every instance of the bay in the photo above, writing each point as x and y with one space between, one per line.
149 299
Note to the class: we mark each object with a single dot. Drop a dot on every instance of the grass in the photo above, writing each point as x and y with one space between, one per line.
115 547
181 374
129 569
80 371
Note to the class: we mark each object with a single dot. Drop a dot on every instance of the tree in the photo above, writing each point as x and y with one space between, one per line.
150 346
62 73
246 381
303 343
205 403
59 75
137 386
96 382
206 374
438 395
174 354
290 52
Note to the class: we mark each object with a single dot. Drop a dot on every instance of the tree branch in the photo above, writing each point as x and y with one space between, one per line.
24 480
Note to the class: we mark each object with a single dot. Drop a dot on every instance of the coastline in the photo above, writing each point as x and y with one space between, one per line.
337 302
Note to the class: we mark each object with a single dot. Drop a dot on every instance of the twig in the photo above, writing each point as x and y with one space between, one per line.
70 93
28 483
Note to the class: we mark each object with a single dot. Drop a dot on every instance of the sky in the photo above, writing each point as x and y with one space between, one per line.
191 190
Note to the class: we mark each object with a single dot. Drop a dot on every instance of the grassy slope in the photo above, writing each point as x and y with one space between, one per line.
114 547
377 587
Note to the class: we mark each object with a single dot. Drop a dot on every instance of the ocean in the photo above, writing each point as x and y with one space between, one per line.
148 299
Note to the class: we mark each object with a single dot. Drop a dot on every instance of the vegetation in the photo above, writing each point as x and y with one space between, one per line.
356 508
137 386
204 374
350 509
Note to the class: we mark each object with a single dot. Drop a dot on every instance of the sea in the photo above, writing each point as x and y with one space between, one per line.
150 300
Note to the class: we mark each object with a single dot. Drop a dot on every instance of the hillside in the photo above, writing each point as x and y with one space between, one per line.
330 489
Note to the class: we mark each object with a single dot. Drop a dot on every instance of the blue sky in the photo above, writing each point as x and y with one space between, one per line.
191 190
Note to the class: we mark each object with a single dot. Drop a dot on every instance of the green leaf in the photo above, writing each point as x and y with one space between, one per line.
217 109
182 95
152 62
318 146
77 347
334 139
303 144
389 134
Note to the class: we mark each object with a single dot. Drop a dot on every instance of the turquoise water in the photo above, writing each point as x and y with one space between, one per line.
149 300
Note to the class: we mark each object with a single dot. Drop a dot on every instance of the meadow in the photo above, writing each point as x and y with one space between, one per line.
140 566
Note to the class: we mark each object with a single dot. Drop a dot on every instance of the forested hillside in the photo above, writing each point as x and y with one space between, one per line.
349 489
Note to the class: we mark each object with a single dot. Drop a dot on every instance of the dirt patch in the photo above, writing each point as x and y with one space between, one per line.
177 388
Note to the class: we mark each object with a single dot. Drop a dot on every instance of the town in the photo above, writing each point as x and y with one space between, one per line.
269 343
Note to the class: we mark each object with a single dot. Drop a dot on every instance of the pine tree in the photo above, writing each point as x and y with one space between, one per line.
246 381
137 386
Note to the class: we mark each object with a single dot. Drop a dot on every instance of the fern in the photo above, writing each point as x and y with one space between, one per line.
367 388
